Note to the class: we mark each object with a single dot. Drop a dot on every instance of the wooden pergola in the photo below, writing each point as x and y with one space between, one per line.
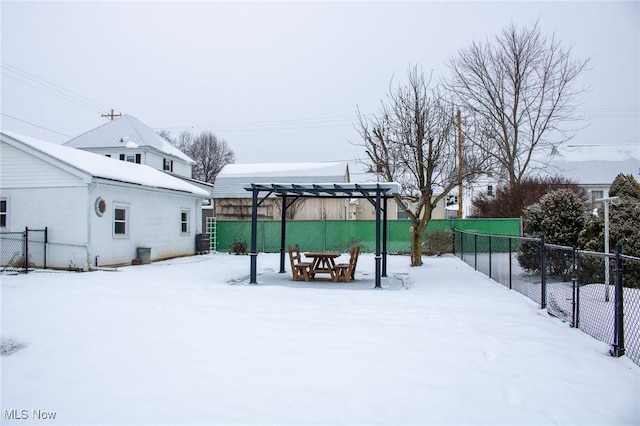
376 193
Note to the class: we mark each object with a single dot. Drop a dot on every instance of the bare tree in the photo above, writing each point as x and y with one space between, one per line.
209 152
292 210
517 92
412 141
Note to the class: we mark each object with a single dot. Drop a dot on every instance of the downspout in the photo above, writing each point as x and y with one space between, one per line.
90 193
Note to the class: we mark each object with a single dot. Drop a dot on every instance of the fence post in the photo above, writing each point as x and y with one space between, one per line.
46 241
574 279
490 257
510 267
577 290
26 249
618 323
543 270
455 240
475 251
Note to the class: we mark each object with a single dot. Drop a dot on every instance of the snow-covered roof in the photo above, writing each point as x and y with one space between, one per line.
603 152
126 132
254 170
233 178
100 166
595 164
594 172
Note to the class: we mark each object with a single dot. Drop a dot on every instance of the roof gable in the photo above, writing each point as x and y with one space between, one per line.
84 163
126 132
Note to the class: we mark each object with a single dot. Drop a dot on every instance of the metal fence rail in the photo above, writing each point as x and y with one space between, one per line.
24 250
596 292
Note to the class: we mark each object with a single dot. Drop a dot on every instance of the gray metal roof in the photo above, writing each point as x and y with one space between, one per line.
125 131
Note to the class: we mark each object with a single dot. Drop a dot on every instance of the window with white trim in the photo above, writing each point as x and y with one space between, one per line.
184 221
120 221
3 213
401 214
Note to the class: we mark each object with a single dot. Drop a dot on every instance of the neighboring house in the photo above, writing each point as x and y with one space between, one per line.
483 183
233 202
128 139
595 167
97 210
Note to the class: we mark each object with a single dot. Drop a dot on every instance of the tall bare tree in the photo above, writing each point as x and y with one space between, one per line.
517 90
209 152
412 141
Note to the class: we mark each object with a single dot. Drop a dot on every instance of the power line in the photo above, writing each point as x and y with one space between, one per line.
271 125
34 125
46 86
54 94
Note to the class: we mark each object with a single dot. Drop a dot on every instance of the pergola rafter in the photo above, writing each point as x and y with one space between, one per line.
376 193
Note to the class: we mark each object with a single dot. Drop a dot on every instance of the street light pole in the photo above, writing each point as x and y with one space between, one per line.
606 201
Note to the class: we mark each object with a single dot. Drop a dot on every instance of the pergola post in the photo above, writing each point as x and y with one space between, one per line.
384 237
377 255
253 253
283 230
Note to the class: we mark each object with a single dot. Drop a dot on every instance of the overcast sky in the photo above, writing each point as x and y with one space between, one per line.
281 81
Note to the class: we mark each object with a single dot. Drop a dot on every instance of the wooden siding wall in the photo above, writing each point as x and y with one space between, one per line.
307 209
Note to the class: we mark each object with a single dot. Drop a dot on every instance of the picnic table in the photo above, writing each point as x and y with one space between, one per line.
323 263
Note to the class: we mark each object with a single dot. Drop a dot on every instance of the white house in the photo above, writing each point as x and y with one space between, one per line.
127 138
96 209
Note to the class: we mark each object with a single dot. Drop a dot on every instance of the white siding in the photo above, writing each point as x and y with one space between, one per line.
149 157
21 170
62 210
40 194
180 168
154 221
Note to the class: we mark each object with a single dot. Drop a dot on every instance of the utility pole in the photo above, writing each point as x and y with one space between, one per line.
459 165
111 115
606 201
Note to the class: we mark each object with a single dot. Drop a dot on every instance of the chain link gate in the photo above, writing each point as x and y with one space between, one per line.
20 251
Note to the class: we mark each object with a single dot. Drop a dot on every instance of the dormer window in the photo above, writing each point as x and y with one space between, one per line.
167 165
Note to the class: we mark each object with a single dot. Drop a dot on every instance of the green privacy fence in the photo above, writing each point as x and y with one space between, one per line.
339 235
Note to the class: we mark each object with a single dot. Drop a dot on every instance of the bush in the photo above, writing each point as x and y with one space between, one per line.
239 247
345 246
560 217
623 227
438 242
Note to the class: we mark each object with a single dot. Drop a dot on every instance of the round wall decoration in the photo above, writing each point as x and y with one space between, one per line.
100 206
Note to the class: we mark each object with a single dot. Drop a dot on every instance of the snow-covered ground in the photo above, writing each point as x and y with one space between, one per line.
189 341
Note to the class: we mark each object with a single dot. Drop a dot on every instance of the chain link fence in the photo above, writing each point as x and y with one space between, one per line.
21 251
596 292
